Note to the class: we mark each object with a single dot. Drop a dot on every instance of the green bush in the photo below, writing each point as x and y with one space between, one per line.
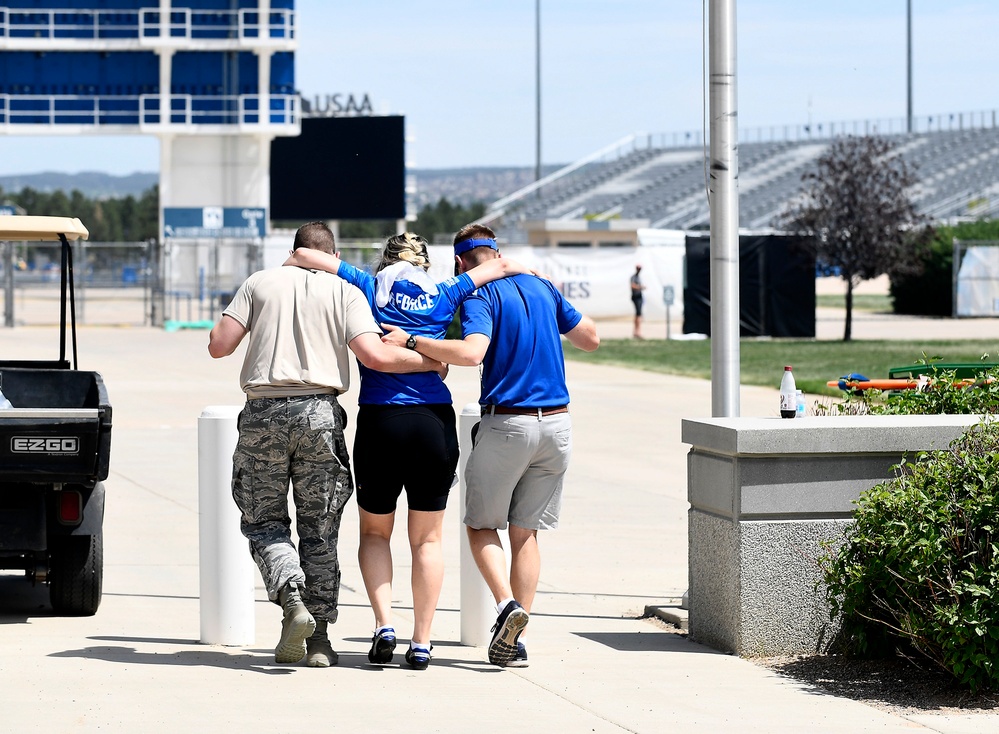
928 290
919 569
945 394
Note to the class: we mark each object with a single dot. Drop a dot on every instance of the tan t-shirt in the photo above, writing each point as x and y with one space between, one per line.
300 323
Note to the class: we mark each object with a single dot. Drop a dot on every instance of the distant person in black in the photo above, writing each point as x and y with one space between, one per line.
637 299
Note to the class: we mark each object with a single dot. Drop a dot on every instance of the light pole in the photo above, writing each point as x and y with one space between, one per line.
537 90
724 201
908 55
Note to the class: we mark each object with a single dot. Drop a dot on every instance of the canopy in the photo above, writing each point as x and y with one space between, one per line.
38 229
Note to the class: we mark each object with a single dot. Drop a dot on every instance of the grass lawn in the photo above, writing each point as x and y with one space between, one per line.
872 302
762 360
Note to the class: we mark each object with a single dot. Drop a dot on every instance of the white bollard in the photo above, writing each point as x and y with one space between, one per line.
227 572
478 612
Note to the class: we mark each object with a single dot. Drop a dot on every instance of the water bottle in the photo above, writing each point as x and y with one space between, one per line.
799 404
788 397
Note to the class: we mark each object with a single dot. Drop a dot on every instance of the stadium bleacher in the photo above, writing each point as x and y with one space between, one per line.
645 179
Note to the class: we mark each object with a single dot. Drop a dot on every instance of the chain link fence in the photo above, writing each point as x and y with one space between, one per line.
125 283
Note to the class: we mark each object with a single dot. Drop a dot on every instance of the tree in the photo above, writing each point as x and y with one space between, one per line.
858 215
124 219
443 219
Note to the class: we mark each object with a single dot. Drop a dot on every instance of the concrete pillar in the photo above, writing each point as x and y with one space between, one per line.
227 572
264 84
477 608
166 82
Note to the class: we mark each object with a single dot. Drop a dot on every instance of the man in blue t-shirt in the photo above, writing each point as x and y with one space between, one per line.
512 327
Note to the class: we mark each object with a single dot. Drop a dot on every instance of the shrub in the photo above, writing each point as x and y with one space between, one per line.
945 393
919 568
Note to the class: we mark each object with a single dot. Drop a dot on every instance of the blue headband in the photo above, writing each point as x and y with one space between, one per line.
466 245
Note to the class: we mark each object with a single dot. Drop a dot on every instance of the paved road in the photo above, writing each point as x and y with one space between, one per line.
596 666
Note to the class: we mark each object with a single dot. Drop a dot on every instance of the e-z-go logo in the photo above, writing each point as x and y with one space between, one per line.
45 445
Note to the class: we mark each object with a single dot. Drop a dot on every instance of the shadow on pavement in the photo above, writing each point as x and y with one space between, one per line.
651 641
253 661
257 660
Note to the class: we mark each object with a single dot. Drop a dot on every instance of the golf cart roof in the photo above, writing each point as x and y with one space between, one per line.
41 229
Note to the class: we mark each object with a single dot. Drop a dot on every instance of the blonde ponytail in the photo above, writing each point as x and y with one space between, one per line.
406 247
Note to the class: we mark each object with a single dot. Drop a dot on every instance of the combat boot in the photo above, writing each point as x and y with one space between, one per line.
320 652
296 626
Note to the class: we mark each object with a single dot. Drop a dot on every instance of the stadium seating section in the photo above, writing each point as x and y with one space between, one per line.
958 171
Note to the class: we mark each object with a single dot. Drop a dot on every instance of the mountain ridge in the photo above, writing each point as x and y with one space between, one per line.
458 185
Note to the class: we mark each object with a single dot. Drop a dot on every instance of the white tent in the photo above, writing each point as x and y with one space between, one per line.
977 291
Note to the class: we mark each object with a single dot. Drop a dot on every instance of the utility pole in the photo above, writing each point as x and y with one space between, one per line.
724 204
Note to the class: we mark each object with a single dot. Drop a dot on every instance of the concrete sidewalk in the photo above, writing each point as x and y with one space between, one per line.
596 666
829 324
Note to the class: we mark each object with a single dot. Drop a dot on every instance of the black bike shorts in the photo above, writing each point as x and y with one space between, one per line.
411 446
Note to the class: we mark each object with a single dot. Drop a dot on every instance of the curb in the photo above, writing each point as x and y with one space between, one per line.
671 614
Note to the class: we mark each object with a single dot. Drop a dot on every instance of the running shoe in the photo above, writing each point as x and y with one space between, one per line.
418 658
520 659
509 624
382 646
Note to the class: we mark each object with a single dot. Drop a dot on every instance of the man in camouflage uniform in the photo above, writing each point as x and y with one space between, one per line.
301 325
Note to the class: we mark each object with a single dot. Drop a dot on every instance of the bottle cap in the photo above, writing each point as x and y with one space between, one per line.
787 368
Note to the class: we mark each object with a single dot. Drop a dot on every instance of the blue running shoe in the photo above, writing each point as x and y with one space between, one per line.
382 647
520 659
418 658
509 624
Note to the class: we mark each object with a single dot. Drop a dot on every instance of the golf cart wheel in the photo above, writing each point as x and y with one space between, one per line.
76 573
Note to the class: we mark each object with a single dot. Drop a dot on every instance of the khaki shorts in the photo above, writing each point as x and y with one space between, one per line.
514 473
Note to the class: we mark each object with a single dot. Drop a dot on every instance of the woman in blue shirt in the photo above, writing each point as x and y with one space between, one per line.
406 434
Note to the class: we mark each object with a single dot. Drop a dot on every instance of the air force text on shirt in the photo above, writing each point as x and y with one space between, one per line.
422 302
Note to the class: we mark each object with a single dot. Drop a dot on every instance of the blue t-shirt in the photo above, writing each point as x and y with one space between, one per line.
417 313
523 317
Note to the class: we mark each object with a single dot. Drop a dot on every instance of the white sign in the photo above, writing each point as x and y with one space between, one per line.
212 217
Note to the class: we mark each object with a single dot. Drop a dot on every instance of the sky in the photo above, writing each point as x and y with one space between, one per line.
463 73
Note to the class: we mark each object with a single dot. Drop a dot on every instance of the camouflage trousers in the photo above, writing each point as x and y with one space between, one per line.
297 440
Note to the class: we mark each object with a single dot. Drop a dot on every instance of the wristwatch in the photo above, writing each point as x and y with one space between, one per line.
411 342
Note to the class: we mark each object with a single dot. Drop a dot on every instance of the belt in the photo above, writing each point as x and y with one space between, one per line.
287 398
539 412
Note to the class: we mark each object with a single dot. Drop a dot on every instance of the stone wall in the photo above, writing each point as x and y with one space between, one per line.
765 496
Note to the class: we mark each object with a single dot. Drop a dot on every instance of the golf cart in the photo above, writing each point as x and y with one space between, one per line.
55 445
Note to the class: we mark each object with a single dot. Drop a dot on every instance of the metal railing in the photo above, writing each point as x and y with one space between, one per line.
189 23
65 23
238 110
145 23
147 109
948 121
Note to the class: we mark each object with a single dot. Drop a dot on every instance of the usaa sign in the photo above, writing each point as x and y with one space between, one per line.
337 105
